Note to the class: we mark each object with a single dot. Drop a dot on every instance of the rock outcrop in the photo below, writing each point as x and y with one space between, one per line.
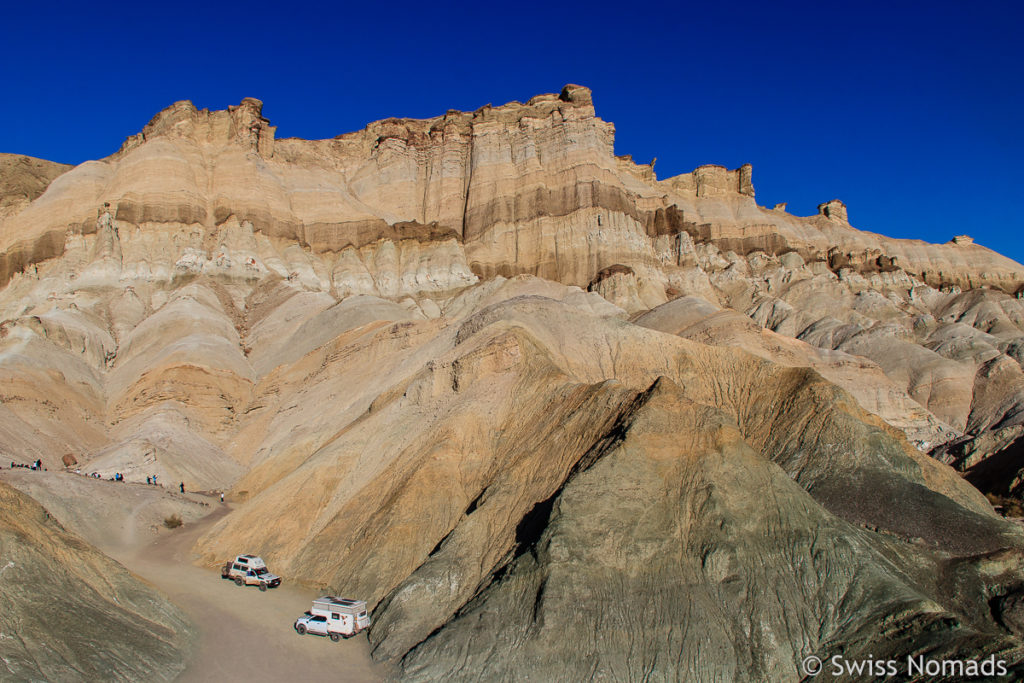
23 179
521 188
630 561
499 382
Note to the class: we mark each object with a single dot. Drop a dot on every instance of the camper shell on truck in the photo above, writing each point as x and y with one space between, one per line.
344 615
249 570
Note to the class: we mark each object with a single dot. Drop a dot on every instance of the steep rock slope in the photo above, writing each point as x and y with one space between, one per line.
623 573
23 178
415 210
505 409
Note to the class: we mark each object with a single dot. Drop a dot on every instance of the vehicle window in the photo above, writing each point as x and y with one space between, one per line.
261 570
319 618
363 613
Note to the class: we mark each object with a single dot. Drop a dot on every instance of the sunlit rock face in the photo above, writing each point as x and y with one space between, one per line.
523 188
542 410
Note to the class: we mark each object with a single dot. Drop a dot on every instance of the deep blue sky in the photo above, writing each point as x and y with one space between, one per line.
911 113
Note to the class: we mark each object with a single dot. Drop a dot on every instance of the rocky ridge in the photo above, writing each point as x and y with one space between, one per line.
522 188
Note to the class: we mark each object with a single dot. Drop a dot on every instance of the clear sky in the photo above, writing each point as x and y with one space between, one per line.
910 113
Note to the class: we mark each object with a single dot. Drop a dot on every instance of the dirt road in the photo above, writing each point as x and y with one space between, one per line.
245 634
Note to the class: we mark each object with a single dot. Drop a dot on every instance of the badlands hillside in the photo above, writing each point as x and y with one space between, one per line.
548 414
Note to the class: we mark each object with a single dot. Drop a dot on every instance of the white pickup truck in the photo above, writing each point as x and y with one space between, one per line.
334 617
250 570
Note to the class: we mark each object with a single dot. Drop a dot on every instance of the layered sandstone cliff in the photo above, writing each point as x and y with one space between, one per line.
522 188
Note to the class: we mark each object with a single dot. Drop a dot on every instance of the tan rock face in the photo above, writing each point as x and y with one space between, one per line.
476 370
522 188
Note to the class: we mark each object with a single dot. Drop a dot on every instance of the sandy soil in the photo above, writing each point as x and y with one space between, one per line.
245 634
110 515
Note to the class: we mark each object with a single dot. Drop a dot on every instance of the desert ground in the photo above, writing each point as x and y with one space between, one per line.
244 634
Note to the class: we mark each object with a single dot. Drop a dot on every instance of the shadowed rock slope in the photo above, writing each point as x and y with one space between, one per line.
72 614
624 572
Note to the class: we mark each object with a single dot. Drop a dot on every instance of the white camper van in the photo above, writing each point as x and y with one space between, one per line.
334 617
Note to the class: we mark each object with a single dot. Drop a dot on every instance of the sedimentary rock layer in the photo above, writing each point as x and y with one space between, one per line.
523 188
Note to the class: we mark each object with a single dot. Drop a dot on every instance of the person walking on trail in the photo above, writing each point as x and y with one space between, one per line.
182 487
222 496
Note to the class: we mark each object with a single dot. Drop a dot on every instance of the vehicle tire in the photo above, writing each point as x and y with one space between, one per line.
301 628
335 637
263 587
239 582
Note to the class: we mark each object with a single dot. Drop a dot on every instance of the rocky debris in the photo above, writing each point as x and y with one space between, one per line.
73 614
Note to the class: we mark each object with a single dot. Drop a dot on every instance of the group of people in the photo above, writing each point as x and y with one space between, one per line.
151 480
96 475
37 465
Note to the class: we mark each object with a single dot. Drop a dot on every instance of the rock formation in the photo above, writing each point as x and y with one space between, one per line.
521 188
501 383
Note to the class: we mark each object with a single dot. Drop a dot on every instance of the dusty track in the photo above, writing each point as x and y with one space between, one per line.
245 634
